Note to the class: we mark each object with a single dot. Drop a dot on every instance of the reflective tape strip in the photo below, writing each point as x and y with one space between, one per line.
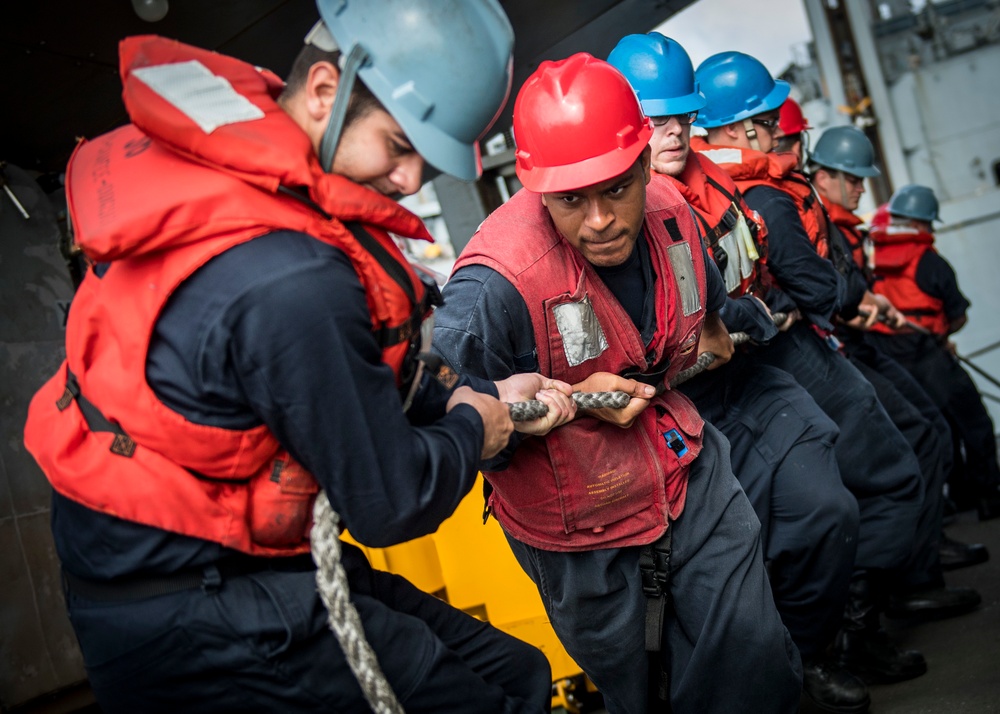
685 277
207 99
582 335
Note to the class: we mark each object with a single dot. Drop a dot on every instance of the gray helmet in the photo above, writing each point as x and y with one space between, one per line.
914 201
847 149
441 68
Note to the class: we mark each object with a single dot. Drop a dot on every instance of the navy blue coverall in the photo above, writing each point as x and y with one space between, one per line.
976 471
782 450
720 596
876 463
277 331
914 414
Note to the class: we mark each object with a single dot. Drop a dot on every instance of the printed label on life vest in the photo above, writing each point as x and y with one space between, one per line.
207 99
685 278
582 335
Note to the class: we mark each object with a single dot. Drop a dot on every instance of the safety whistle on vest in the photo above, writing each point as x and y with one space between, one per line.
675 442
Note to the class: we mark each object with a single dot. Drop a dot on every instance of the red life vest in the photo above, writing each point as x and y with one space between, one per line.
719 206
858 241
898 250
156 200
749 168
589 484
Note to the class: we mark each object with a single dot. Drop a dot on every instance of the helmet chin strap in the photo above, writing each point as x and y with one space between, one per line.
355 60
751 134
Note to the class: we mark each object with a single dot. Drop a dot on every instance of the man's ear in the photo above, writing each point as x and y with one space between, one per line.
321 89
543 200
820 179
645 160
733 131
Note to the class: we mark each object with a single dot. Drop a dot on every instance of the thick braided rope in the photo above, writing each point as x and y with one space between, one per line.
704 360
331 579
534 409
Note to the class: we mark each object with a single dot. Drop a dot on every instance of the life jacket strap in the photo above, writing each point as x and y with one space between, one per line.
122 445
654 569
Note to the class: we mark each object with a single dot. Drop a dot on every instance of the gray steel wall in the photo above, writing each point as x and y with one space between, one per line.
38 650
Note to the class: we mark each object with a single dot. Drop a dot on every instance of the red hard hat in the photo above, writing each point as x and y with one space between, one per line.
577 122
790 118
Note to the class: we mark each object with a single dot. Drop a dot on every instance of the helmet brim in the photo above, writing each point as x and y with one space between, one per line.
445 153
869 172
675 105
863 172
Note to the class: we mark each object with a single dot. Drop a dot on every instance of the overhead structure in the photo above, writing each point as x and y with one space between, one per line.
61 56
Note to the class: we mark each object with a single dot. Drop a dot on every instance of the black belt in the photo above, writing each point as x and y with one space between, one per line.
208 578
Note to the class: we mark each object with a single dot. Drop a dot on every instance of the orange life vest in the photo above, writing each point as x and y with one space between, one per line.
156 200
862 249
898 250
719 206
749 168
589 484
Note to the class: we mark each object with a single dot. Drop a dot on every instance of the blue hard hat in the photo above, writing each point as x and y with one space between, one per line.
847 149
660 72
736 86
914 201
441 68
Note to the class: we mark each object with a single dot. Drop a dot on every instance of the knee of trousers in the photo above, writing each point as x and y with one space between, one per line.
835 518
826 526
535 673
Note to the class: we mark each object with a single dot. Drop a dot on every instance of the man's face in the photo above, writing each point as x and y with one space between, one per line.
602 221
768 131
840 188
670 144
374 152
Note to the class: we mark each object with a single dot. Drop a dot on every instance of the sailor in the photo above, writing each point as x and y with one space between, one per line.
594 274
838 166
876 463
910 271
781 441
245 338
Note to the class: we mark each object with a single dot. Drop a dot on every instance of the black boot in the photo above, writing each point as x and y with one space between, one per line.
863 648
955 554
932 603
833 689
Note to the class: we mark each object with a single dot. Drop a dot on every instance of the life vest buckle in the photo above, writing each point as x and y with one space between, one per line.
676 443
123 445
